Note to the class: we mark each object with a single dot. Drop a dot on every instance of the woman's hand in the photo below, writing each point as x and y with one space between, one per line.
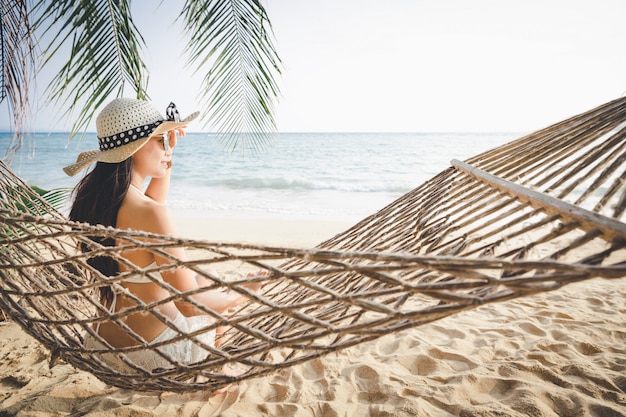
219 300
159 186
174 134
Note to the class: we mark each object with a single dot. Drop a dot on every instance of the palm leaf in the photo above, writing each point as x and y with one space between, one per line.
104 55
57 197
231 37
18 67
33 200
37 200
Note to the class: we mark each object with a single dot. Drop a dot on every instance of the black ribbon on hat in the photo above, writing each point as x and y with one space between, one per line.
119 139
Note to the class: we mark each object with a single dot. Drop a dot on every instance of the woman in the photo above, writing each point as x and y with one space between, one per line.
136 143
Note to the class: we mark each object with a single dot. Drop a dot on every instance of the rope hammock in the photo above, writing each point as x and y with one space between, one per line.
530 216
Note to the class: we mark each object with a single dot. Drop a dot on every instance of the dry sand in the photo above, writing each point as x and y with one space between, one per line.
299 232
556 354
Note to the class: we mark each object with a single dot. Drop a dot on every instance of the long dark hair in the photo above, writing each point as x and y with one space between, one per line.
97 199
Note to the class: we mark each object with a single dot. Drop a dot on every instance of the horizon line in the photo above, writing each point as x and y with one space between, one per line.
294 132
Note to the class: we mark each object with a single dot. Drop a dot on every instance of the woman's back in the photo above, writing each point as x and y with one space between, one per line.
136 145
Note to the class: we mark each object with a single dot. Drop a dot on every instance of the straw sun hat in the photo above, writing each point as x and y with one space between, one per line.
123 127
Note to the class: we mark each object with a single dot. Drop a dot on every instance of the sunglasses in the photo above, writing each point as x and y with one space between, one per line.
165 141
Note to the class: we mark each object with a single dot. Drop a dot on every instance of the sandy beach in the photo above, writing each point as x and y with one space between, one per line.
287 231
556 354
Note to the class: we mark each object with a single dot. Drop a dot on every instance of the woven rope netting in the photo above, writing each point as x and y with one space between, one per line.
527 217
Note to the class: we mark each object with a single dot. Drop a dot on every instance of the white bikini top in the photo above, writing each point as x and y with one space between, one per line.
133 280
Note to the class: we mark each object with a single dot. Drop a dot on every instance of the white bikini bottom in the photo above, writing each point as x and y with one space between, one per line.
185 351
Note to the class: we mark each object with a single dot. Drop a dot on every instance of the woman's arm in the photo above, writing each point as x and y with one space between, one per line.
158 220
184 279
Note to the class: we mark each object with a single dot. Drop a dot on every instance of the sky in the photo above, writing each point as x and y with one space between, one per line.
412 65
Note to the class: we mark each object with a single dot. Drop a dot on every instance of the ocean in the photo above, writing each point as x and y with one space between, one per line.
333 175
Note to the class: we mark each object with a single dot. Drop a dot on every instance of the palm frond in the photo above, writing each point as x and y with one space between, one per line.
18 67
232 38
36 199
104 55
229 42
33 199
57 197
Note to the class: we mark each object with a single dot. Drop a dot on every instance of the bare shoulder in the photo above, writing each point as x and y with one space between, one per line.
146 215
